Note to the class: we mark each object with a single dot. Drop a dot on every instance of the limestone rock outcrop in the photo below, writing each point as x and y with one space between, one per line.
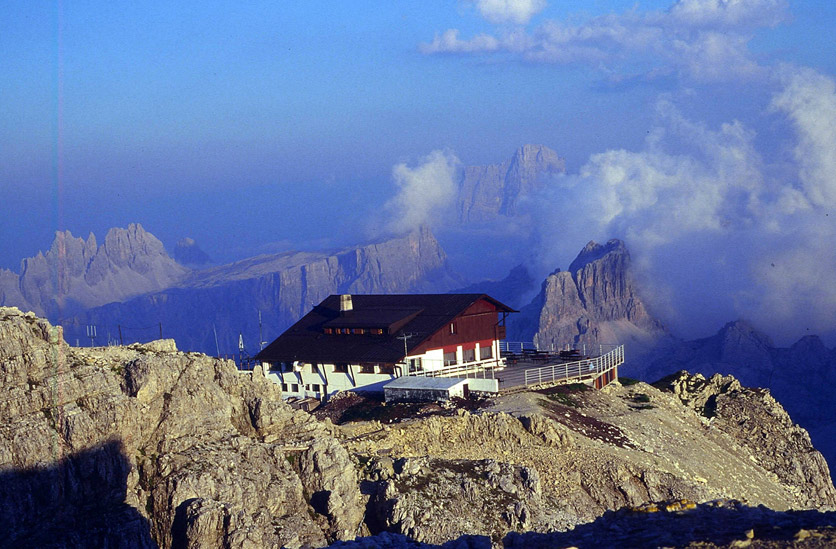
760 423
798 376
486 192
154 446
563 461
146 446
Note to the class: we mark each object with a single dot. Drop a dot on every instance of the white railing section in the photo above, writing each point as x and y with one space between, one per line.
580 370
516 346
522 346
477 368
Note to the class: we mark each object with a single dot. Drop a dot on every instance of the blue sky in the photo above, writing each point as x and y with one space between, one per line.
247 124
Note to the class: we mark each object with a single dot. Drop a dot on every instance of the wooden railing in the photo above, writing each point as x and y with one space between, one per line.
581 370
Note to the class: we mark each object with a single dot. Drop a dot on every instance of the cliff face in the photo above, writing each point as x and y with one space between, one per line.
149 446
594 302
75 273
141 446
227 300
489 191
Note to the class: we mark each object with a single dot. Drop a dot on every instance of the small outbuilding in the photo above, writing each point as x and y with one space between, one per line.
425 389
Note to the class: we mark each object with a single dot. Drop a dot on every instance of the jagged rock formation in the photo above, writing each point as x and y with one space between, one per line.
149 445
797 375
227 299
188 253
75 273
760 424
495 190
143 445
594 302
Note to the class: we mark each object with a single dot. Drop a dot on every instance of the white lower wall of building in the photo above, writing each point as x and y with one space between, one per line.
487 385
310 384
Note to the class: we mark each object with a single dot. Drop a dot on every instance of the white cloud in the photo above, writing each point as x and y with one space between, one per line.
449 42
809 100
713 226
509 11
703 40
733 13
425 192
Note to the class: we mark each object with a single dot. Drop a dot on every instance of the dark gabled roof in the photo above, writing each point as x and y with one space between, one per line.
416 315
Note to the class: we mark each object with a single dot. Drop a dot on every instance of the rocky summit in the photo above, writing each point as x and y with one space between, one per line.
146 446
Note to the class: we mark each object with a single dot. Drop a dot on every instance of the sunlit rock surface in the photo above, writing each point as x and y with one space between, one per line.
144 446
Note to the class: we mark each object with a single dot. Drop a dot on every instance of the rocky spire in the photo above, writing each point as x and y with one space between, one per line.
594 302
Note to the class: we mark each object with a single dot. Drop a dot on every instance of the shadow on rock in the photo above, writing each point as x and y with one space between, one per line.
723 523
77 502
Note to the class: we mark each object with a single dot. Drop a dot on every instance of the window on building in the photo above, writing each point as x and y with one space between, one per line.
341 367
485 352
469 355
387 369
415 364
315 387
377 331
453 329
450 358
294 387
329 331
284 387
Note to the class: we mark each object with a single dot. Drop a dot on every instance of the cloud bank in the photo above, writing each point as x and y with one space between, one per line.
718 231
704 40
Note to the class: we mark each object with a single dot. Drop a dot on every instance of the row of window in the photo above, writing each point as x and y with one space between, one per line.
468 355
294 387
342 368
353 331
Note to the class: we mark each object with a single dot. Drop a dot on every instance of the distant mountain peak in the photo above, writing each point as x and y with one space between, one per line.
594 251
494 190
77 273
594 302
188 253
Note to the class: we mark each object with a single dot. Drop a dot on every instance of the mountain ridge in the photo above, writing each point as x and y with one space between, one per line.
276 290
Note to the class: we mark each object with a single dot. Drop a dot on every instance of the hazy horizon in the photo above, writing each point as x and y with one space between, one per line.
700 132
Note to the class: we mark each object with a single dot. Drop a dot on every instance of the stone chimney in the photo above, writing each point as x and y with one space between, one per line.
345 303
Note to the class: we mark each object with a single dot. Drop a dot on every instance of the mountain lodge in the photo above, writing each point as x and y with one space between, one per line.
362 342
